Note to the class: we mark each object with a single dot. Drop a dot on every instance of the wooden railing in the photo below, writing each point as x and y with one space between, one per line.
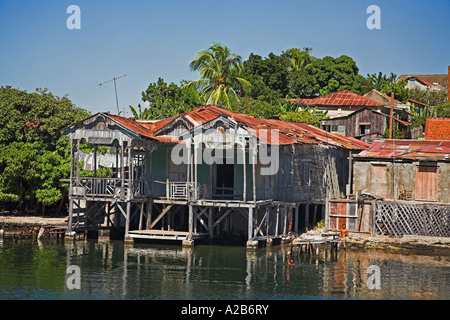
108 187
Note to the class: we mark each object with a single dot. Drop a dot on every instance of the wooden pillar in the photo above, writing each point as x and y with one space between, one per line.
191 221
391 115
141 215
127 220
70 214
276 221
244 170
254 168
95 161
122 164
78 162
296 219
210 223
284 221
250 223
149 212
306 216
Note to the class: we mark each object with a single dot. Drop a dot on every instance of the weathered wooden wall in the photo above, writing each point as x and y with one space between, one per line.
326 167
403 174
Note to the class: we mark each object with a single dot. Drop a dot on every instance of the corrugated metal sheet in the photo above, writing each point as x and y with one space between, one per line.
289 132
408 149
341 98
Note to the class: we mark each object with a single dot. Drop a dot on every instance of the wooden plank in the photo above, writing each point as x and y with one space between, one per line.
161 215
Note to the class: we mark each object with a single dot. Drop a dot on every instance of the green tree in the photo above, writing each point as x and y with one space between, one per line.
165 100
386 85
443 110
221 77
269 76
34 155
327 75
299 58
431 98
258 108
306 115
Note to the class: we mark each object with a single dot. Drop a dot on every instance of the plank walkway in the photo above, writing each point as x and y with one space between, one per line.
152 234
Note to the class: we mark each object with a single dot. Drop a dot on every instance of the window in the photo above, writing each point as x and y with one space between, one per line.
378 172
364 128
336 128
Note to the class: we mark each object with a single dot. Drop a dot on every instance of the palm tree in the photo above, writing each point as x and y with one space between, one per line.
221 72
300 58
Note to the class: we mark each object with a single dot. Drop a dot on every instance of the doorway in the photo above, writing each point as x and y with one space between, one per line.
224 186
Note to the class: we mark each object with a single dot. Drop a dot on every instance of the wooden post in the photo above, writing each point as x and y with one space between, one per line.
78 162
141 215
244 170
122 163
250 223
391 116
70 214
296 219
191 221
95 161
254 168
127 222
210 223
149 213
276 222
306 216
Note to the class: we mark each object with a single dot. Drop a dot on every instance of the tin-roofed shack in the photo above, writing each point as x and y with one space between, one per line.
400 187
404 170
207 173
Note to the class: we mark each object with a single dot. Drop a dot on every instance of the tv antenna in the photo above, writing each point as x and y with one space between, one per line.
115 89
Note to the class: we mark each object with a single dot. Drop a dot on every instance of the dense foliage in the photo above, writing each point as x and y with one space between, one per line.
34 155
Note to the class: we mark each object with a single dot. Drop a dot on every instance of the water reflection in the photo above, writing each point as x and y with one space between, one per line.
112 270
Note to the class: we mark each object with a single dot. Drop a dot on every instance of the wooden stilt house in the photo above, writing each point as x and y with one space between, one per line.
208 173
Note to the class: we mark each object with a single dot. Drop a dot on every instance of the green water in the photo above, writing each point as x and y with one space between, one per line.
111 270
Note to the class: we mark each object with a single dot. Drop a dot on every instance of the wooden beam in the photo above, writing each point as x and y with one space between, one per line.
391 115
250 223
260 225
222 217
160 216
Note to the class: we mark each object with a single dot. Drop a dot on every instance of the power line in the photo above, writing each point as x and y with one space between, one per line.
115 89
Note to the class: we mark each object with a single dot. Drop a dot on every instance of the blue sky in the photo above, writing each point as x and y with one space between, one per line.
150 39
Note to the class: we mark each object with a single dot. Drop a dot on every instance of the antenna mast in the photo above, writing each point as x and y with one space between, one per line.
115 89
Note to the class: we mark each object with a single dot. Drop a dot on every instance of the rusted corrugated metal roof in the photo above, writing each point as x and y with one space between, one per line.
341 98
408 149
289 132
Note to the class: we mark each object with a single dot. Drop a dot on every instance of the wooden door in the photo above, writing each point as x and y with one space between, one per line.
426 183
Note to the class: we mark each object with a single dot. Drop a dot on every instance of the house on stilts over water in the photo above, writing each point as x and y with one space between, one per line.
205 174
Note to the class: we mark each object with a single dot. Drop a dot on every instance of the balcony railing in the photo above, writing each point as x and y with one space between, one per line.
108 187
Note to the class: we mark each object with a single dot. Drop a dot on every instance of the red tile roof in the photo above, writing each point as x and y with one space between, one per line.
437 129
341 98
408 149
